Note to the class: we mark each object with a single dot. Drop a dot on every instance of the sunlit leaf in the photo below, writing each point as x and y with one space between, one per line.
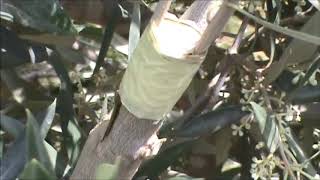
47 121
268 127
35 143
36 171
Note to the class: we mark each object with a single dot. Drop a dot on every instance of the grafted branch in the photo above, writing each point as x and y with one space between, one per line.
132 138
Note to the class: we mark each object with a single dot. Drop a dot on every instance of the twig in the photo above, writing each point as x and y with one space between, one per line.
198 13
289 32
281 147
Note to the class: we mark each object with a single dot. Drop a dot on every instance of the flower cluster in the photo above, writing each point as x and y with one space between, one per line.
263 168
245 122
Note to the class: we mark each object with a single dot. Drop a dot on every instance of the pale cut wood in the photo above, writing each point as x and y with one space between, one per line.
160 11
215 27
198 13
126 138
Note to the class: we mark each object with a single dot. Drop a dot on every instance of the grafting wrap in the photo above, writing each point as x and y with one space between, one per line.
160 69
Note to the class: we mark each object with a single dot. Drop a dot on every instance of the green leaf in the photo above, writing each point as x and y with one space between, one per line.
14 159
59 166
11 125
267 126
42 15
92 32
159 163
299 152
210 122
311 70
305 94
65 102
35 143
47 121
298 51
1 147
14 51
107 37
36 171
40 21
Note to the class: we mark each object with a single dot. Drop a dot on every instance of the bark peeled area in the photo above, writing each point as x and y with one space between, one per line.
127 136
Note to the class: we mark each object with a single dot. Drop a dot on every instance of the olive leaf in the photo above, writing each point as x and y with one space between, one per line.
297 51
41 21
267 126
35 170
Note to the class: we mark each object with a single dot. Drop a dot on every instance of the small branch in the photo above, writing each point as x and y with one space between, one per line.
198 13
237 42
161 9
281 147
215 27
210 97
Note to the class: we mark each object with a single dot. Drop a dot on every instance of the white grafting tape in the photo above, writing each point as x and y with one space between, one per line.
161 69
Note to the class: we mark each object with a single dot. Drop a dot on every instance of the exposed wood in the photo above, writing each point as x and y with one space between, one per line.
197 13
215 27
127 138
161 10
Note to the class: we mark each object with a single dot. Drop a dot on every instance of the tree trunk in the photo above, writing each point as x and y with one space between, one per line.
125 139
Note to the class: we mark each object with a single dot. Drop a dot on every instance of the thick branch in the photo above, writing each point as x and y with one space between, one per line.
126 138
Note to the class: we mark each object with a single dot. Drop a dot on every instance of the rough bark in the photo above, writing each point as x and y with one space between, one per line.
126 139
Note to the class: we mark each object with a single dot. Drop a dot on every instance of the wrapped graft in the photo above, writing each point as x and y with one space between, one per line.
161 68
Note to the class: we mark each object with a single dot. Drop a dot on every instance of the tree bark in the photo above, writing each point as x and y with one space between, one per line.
126 139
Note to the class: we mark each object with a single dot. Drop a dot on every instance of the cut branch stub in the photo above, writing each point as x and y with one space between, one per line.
161 69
